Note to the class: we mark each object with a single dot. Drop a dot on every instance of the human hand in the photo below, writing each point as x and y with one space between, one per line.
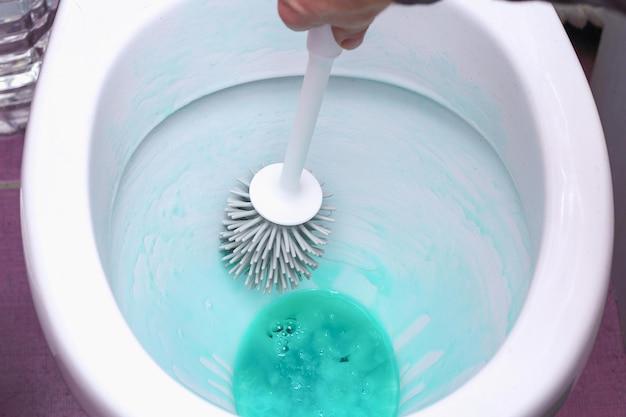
349 19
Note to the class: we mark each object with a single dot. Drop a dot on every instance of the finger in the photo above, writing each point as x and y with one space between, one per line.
349 38
296 16
291 18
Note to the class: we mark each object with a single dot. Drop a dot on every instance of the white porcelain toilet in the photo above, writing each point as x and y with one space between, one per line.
463 150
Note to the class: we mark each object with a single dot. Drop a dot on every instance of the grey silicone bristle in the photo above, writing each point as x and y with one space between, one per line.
268 254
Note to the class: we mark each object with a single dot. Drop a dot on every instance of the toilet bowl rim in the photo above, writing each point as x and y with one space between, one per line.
50 301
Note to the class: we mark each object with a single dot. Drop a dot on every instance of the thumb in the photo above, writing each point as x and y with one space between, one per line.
349 38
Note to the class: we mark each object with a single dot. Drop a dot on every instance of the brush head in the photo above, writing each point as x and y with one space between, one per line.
269 254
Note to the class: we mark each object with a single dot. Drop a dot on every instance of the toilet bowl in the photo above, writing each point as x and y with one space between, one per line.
466 161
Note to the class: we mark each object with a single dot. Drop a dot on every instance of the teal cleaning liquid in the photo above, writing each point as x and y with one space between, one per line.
315 353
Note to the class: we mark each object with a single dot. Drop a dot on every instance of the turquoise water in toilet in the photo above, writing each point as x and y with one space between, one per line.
430 233
315 353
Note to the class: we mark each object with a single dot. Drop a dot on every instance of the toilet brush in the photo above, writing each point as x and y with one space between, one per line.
275 223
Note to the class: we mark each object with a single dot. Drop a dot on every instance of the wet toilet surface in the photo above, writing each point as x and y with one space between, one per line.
430 239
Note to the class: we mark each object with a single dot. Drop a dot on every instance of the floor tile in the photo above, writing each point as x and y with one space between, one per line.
10 158
30 383
601 389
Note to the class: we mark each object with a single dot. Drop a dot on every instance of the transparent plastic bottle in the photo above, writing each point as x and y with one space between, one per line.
24 31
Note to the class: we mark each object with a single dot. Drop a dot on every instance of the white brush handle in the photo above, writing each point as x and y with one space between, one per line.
322 50
287 194
321 42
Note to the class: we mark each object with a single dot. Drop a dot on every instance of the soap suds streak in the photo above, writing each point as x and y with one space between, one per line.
421 230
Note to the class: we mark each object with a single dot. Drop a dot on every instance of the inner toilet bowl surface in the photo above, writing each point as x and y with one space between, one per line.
460 141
